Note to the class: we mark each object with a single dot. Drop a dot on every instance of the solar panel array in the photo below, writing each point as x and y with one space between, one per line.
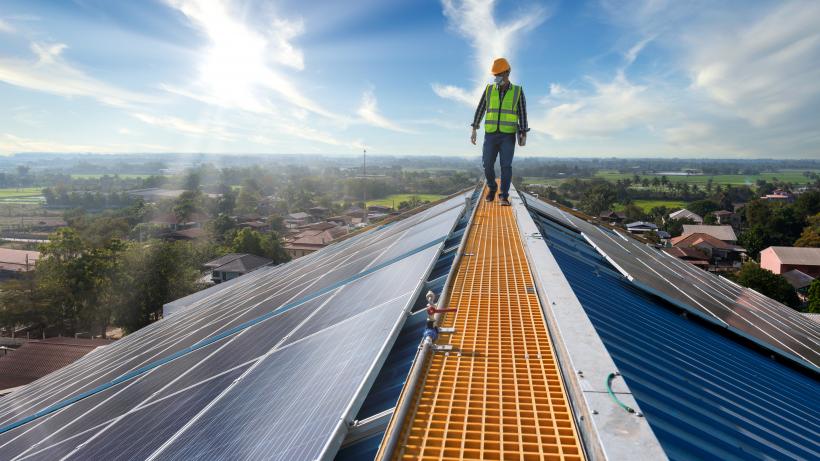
276 389
764 320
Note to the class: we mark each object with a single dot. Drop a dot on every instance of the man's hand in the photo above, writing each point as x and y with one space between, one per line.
522 139
472 137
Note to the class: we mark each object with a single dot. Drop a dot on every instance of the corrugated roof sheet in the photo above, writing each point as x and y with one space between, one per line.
35 359
706 394
797 255
725 233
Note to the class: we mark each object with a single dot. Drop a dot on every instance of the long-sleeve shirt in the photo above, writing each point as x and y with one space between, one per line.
521 109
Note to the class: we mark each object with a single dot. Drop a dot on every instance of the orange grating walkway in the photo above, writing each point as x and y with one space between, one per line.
502 397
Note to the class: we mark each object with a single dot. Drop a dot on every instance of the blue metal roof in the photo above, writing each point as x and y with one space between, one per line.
706 393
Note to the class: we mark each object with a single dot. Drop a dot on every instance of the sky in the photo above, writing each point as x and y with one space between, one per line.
612 78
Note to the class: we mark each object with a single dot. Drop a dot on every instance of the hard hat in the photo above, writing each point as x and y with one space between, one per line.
500 65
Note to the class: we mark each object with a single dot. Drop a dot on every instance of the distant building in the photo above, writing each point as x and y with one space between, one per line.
155 194
258 226
379 209
193 233
784 259
613 217
35 359
725 233
779 195
13 263
319 212
799 281
294 220
234 265
641 227
172 222
312 238
719 254
686 214
725 217
691 255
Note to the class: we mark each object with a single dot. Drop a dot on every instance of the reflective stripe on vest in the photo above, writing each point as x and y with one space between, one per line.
502 115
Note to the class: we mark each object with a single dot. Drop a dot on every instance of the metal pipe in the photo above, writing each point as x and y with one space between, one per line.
394 429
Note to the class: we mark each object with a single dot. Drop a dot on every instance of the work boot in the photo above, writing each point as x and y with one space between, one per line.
504 201
490 196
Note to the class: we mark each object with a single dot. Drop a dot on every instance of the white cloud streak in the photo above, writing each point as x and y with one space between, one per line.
475 21
50 73
5 27
369 113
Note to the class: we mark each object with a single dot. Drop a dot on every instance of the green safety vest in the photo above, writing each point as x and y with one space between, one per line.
502 115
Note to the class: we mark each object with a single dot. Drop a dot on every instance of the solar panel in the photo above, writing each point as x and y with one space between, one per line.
764 320
307 335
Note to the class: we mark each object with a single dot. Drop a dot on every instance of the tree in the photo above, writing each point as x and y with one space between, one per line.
703 207
813 304
767 283
811 234
265 245
597 199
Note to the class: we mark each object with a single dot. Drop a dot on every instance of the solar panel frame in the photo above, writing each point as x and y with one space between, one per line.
220 311
761 319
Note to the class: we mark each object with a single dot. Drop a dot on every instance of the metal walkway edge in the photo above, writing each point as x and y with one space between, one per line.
498 394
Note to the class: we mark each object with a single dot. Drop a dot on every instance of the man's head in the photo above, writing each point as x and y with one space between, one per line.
501 71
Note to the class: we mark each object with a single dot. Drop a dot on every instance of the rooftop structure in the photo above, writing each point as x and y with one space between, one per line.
569 341
35 359
784 259
725 233
686 214
14 261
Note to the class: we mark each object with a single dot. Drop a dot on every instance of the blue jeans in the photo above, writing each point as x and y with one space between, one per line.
495 143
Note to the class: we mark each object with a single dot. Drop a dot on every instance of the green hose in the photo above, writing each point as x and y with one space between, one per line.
612 394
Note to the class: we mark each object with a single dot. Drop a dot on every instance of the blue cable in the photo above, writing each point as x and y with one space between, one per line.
231 331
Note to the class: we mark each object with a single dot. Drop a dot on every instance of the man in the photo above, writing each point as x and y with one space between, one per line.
506 115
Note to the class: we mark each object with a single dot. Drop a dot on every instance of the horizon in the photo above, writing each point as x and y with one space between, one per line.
642 79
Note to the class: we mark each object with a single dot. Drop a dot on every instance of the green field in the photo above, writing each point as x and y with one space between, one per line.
647 205
395 199
25 195
121 175
792 176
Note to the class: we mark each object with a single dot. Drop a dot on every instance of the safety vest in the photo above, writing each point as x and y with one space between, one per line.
502 115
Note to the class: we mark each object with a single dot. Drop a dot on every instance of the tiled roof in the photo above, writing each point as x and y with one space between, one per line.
244 264
35 359
700 239
797 255
725 233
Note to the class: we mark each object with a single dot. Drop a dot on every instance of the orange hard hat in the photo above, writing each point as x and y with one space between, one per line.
500 65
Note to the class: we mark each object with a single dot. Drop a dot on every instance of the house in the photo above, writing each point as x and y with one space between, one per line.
14 263
686 214
779 195
35 359
319 212
641 227
783 259
613 217
47 224
689 254
258 226
379 209
294 220
192 233
234 265
726 217
725 233
173 222
313 238
800 281
720 254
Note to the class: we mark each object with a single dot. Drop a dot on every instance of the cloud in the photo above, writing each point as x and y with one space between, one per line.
213 130
239 65
50 73
475 21
6 27
763 71
608 109
369 112
10 144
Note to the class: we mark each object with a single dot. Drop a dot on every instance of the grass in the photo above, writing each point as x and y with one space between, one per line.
25 195
395 199
647 205
121 175
792 176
